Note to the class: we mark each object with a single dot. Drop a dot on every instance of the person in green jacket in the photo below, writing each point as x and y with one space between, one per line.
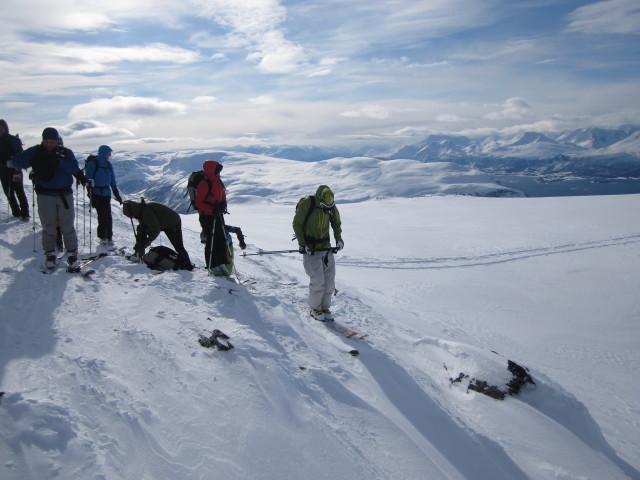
314 215
154 218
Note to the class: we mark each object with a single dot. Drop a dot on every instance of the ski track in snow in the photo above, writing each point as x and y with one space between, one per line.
396 392
486 259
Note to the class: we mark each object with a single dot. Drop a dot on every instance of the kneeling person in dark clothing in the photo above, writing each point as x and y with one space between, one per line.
155 218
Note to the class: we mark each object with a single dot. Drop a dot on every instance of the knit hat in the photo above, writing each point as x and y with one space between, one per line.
50 133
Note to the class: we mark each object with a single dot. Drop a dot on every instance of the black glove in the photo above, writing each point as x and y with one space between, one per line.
241 242
220 208
81 178
306 250
116 193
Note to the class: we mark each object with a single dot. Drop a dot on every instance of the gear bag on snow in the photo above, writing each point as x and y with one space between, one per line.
161 258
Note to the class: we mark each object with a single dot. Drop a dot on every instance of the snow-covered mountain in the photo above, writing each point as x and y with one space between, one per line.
103 377
587 152
164 177
445 164
596 138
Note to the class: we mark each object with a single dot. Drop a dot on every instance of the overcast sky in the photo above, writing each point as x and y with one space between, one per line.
167 74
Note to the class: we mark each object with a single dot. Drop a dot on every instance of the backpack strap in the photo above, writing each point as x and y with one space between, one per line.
312 207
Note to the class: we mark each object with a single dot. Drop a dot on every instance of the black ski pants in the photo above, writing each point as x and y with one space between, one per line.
14 191
215 250
174 234
105 220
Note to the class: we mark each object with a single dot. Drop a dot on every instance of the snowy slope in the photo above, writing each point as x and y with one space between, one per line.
105 379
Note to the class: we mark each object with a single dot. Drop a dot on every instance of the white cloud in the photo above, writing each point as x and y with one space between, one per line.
255 25
368 111
84 15
491 51
513 108
449 118
609 16
204 100
126 106
78 58
284 59
91 129
262 100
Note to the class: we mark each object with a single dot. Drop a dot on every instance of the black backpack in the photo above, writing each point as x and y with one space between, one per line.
91 159
161 258
45 164
192 186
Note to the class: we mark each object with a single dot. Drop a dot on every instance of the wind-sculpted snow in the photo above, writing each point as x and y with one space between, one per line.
103 377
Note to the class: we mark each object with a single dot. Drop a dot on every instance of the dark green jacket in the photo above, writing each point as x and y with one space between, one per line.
155 217
315 233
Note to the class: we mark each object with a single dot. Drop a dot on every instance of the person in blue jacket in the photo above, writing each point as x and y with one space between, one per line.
102 181
54 167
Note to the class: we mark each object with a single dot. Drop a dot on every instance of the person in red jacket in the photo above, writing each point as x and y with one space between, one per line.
211 203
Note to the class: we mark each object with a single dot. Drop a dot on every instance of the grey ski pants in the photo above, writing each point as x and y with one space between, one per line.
51 208
322 278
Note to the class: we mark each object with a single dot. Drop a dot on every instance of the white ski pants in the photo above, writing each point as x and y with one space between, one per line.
322 278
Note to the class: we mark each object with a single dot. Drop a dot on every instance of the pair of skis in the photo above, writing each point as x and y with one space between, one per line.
80 267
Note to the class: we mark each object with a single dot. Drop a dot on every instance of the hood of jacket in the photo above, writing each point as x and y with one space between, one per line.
211 167
131 209
104 150
324 195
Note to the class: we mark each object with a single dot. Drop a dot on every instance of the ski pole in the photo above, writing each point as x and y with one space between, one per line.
90 232
84 220
268 252
271 252
10 193
33 209
137 247
213 233
77 210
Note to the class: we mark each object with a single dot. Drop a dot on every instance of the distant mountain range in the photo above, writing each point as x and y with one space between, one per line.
585 152
439 164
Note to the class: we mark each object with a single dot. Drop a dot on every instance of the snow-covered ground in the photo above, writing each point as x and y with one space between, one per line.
104 378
